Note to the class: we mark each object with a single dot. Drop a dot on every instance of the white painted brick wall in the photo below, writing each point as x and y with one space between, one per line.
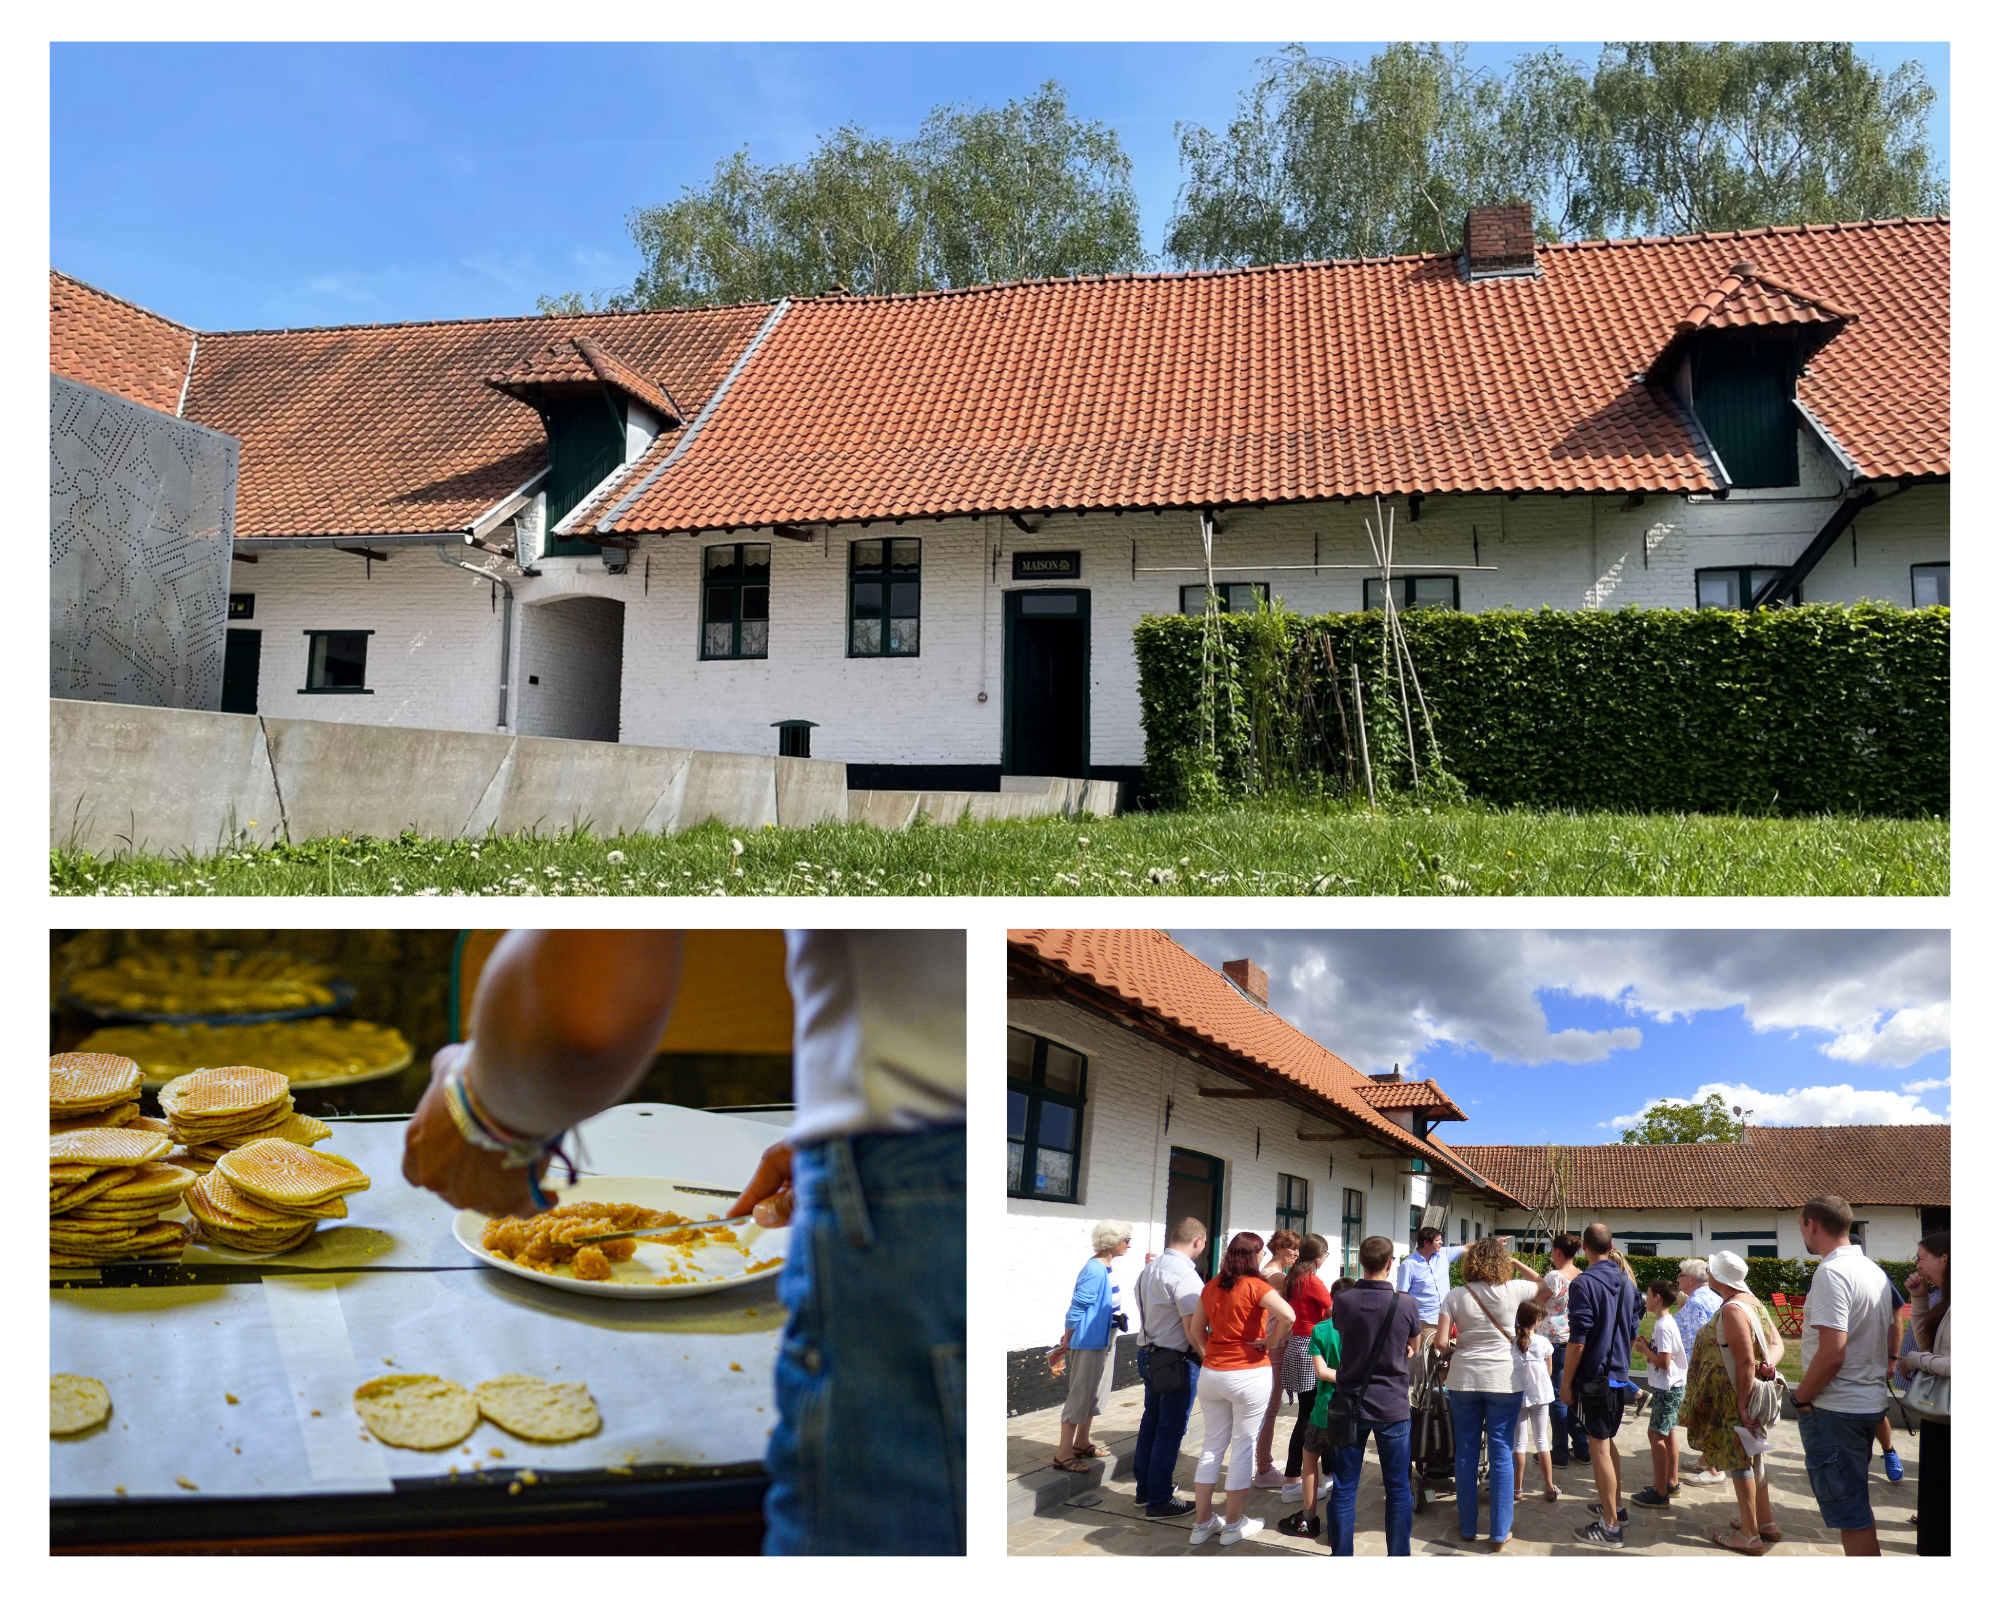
434 660
569 672
1124 1168
1580 551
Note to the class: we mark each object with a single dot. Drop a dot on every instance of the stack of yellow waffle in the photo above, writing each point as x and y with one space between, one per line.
220 1109
107 1184
269 1195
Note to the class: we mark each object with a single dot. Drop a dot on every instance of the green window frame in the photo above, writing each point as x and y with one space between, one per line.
1294 1202
1045 1098
1767 1251
1432 591
1730 588
1416 1222
1930 583
735 602
1464 1230
885 597
337 661
1353 1219
1229 597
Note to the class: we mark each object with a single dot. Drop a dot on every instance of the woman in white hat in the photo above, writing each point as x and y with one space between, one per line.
1735 1344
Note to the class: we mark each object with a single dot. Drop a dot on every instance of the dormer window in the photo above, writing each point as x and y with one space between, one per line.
1743 391
1734 361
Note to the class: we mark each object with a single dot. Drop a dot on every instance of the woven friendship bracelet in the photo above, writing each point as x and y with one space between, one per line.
478 1128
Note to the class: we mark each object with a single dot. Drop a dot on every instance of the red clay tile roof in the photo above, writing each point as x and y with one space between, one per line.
1424 1095
1774 1169
1302 382
1145 968
111 344
1745 298
570 362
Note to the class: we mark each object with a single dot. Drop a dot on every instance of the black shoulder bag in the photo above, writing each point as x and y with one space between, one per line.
1343 1410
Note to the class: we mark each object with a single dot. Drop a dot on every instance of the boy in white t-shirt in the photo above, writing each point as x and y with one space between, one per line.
1667 1370
1533 1357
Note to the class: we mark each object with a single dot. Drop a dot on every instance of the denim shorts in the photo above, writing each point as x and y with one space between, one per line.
868 1457
1838 1446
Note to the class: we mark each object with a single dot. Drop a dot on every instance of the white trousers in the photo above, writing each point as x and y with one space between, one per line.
1232 1409
1531 1433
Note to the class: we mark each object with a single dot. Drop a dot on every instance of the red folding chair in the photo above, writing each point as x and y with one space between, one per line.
1790 1317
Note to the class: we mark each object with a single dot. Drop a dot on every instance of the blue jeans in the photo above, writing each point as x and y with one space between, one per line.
1475 1412
868 1456
1838 1445
1392 1449
1162 1427
1560 1435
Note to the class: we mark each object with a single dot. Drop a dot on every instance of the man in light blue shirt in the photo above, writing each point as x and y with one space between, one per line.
1425 1273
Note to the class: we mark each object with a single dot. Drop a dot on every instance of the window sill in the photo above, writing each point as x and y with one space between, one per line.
1046 1199
336 691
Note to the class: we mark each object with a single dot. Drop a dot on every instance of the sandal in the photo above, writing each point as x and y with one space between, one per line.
1769 1532
1550 1494
1071 1465
1737 1542
1088 1452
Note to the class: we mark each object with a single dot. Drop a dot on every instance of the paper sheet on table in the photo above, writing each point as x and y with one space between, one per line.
1753 1443
676 1381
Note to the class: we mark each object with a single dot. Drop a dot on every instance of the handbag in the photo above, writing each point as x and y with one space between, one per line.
1767 1395
1926 1396
1343 1407
1166 1377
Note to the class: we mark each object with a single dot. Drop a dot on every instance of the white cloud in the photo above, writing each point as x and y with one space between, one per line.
1895 1039
1923 1085
1835 1105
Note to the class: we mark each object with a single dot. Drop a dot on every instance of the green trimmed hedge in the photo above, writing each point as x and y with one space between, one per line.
1801 710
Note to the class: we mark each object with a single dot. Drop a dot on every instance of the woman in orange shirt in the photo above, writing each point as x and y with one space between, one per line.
1240 1316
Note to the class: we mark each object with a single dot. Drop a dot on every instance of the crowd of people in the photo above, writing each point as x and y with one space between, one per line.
1535 1368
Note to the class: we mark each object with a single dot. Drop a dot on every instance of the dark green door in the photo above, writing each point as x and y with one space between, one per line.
241 651
1194 1189
1047 731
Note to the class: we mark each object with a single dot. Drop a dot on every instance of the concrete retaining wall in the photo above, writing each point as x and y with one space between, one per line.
144 778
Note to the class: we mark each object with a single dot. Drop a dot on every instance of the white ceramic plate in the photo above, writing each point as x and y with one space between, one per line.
719 1266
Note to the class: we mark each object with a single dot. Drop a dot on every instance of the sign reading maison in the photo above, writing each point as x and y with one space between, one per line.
1047 564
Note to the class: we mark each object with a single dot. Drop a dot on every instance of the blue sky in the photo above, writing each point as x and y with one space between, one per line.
299 184
1557 1036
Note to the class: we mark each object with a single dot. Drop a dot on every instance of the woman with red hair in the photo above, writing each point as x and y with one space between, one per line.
1241 1317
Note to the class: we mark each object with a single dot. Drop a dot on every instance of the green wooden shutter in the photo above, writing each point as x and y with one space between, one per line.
586 442
1743 398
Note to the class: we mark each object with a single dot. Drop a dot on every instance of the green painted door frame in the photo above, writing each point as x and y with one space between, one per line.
1020 602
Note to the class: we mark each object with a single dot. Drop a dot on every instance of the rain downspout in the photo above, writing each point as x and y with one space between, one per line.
506 619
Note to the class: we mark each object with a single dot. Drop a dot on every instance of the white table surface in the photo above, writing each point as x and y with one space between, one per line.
680 1381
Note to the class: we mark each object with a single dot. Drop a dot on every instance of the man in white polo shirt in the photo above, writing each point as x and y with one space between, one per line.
1848 1317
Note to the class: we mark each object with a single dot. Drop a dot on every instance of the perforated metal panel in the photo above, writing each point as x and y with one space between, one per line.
142 508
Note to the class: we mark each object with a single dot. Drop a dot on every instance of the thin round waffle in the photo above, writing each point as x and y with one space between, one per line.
76 1403
532 1409
416 1410
219 1100
220 1214
155 1184
105 1179
281 1173
83 1082
294 1128
107 1147
122 1115
152 1125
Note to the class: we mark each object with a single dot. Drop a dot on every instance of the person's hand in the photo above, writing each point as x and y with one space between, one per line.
1916 1284
1766 1371
436 1157
1907 1365
1259 1344
768 1195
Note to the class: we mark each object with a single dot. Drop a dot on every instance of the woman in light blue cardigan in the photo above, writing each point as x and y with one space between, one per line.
1090 1335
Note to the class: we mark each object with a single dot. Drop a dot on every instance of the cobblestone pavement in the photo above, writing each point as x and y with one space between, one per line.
1113 1526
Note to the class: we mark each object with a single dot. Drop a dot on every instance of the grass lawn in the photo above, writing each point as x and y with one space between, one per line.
1244 851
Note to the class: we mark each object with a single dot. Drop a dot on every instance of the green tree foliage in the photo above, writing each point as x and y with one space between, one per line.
1326 159
980 194
1705 1122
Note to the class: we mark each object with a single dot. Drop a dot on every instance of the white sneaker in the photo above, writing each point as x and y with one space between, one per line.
1202 1532
1274 1479
1232 1531
1325 1488
1292 1493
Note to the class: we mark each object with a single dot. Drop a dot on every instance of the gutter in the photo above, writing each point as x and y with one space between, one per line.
347 541
609 519
497 513
506 619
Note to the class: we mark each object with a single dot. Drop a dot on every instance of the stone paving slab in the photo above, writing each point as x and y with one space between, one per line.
1113 1525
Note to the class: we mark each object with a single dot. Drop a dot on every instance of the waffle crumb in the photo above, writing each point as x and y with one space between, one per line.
735 1366
514 1487
186 1485
230 1397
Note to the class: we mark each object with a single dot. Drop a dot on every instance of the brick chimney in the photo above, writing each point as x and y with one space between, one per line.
1250 978
1500 242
